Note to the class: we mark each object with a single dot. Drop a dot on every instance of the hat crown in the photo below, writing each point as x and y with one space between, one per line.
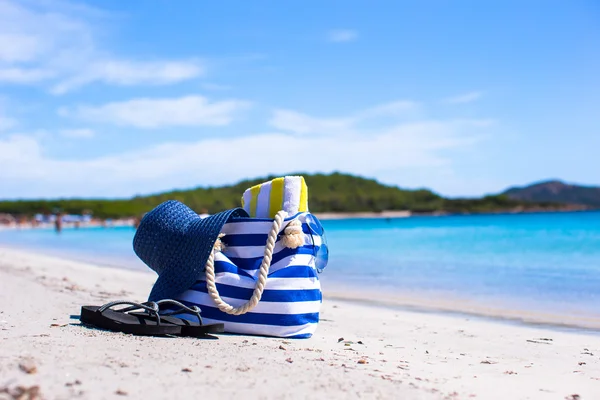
175 242
161 234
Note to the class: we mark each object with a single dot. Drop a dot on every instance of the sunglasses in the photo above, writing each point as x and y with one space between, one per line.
321 249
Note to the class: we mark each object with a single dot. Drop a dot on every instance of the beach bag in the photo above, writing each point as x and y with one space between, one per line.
262 276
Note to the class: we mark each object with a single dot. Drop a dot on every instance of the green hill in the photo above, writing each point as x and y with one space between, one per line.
557 192
335 192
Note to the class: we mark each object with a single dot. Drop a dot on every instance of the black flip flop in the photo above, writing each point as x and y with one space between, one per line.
123 321
188 328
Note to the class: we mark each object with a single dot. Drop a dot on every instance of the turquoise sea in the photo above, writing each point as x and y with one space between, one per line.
546 262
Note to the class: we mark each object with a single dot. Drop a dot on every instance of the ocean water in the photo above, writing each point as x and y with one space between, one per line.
546 262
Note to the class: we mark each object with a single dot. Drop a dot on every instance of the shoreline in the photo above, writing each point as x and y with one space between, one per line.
358 350
333 215
461 308
441 213
363 215
424 302
438 302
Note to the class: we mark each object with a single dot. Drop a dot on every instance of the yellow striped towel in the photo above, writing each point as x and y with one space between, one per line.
289 193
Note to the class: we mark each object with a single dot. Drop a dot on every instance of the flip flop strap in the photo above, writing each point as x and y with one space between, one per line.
149 306
262 275
183 309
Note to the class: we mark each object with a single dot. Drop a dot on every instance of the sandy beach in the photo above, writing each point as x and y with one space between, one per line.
359 351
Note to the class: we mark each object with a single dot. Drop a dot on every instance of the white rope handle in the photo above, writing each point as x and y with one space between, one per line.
262 275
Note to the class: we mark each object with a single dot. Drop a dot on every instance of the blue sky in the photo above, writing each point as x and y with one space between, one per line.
114 98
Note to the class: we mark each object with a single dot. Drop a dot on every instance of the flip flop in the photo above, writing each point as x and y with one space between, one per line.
188 328
123 321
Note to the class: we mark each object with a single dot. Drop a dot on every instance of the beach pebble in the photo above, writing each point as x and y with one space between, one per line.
22 392
28 366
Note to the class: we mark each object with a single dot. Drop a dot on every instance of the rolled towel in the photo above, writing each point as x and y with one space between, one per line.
289 193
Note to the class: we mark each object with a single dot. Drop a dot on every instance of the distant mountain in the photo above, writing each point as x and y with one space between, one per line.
556 192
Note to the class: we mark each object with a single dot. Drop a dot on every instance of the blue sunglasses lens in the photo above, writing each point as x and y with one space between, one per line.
321 249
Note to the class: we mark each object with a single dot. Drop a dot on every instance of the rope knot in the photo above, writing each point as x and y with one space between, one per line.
219 245
262 274
293 236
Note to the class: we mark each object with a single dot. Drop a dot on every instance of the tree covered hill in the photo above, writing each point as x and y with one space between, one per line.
335 192
557 192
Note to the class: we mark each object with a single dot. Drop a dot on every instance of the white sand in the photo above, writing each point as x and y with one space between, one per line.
408 355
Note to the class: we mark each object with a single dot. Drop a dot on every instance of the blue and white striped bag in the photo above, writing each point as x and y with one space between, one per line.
284 300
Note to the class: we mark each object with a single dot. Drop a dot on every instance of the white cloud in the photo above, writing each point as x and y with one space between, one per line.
392 141
156 113
83 133
128 73
214 86
56 43
394 109
5 122
293 121
398 148
15 47
300 123
464 98
24 75
30 34
20 149
342 35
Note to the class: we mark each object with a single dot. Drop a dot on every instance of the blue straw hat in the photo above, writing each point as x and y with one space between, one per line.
175 242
